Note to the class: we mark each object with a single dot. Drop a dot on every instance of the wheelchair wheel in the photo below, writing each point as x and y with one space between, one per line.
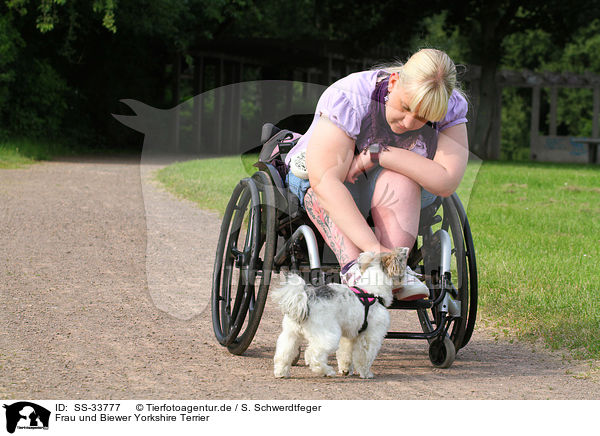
442 352
471 271
243 263
462 285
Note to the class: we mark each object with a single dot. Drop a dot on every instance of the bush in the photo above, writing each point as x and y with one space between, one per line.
37 104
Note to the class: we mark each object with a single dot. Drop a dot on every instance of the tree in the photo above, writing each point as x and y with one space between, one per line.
486 25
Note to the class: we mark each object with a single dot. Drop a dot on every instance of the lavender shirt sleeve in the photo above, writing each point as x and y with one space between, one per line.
457 111
344 103
336 105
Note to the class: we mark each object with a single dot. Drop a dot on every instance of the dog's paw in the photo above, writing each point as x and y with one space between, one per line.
281 373
366 375
329 373
345 372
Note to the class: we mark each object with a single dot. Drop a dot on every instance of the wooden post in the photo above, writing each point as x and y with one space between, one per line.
496 132
535 118
175 101
218 120
232 108
198 103
553 105
474 88
596 112
305 86
289 94
238 121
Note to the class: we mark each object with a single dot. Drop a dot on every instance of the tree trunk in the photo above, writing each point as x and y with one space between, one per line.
482 143
488 50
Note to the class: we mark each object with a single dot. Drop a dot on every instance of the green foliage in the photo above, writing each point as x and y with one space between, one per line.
37 103
436 32
529 49
20 152
515 124
10 43
50 12
90 54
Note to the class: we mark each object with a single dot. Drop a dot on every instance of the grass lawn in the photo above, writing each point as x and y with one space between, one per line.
207 182
537 236
19 153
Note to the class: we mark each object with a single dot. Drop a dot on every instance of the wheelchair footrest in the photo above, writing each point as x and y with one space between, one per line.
411 305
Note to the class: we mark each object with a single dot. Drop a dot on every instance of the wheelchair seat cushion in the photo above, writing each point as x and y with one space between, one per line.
297 186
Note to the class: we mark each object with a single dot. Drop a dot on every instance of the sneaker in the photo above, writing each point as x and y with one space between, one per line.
351 276
412 287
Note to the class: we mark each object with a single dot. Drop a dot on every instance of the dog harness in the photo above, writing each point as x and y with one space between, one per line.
367 300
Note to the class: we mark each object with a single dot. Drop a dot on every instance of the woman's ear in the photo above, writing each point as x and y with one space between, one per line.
393 79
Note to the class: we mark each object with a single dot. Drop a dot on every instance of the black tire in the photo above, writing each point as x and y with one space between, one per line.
244 258
472 271
442 352
430 319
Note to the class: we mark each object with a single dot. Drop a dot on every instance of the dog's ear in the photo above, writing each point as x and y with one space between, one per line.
394 263
365 259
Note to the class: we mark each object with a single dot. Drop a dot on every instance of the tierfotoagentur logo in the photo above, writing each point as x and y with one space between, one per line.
26 415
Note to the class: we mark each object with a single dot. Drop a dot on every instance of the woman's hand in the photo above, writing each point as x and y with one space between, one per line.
360 164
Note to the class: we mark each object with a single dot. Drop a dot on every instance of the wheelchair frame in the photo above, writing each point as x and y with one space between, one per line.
264 230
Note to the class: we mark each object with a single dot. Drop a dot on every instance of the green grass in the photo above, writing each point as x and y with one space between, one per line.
537 236
207 182
19 153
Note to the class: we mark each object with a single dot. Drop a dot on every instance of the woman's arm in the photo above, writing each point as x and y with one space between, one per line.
329 154
440 176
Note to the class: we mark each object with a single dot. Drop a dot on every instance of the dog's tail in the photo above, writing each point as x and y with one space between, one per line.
292 298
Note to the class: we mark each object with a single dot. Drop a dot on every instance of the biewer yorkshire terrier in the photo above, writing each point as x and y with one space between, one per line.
352 320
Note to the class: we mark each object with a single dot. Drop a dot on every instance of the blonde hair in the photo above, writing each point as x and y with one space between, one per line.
429 76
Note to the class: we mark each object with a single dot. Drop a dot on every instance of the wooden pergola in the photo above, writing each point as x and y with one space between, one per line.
549 147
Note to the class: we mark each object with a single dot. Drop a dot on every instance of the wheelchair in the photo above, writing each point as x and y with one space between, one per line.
265 231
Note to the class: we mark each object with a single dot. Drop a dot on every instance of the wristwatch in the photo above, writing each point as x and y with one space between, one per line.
374 150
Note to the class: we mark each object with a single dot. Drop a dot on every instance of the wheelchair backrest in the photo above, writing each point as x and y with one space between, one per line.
278 144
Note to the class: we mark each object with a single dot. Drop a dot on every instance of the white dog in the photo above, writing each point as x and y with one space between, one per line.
333 317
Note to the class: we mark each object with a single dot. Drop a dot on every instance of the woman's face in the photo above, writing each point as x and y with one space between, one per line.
397 111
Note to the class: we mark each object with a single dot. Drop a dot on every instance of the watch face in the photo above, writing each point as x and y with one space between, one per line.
374 148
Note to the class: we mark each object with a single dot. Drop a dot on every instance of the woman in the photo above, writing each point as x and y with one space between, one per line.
385 142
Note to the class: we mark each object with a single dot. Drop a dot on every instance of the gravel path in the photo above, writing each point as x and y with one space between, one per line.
105 281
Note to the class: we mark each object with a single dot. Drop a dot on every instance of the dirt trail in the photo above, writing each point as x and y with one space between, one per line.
104 296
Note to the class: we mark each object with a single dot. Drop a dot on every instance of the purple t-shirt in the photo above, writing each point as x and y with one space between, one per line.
346 102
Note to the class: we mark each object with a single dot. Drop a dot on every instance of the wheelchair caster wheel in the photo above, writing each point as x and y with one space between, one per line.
442 352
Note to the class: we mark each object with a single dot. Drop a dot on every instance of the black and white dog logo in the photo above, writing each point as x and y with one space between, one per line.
26 415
